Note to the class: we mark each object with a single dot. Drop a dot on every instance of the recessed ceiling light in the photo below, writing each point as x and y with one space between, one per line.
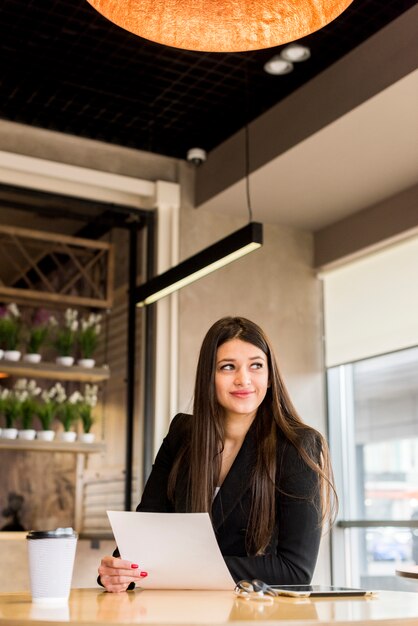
276 65
295 53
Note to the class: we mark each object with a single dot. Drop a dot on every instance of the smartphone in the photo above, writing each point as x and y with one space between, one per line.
318 591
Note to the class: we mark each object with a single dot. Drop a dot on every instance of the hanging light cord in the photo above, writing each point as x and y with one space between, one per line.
247 171
247 141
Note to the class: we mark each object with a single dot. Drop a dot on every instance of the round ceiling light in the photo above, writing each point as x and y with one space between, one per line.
221 25
295 53
277 66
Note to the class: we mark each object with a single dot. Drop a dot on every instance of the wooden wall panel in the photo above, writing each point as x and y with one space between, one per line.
46 482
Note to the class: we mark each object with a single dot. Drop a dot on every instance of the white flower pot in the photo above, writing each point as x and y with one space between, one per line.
27 433
86 362
65 360
11 355
9 433
86 437
32 357
67 436
45 435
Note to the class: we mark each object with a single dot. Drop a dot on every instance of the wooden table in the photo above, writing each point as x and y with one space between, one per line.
89 607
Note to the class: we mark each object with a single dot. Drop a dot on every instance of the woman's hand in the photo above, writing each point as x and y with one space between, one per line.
116 574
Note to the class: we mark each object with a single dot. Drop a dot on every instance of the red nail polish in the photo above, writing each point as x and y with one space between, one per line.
134 566
144 574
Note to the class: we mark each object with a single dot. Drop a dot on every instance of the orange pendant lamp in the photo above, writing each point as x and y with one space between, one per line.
221 25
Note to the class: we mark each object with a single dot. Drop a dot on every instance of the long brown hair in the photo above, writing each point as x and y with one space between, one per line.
276 411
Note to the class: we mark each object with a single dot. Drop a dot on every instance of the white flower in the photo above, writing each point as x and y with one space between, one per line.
75 397
45 397
21 384
73 326
52 321
27 388
90 395
93 321
94 318
4 393
33 388
21 395
13 310
57 392
71 316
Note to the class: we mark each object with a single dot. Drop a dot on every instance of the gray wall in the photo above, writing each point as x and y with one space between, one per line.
275 286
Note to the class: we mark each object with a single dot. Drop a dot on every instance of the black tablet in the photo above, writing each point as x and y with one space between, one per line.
318 591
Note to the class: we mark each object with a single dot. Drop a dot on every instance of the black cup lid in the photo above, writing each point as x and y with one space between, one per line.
58 533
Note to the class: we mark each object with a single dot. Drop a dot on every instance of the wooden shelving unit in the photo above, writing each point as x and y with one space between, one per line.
51 446
54 270
79 271
80 450
54 371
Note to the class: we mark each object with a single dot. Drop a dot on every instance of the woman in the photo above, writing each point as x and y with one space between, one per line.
246 457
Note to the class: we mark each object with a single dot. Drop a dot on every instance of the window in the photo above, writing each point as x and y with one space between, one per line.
373 415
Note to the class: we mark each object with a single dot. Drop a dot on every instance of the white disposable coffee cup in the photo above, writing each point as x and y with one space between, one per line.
51 560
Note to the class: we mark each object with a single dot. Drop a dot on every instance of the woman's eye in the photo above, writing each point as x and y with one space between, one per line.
257 366
227 367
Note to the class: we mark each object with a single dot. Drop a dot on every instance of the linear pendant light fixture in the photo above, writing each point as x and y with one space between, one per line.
201 264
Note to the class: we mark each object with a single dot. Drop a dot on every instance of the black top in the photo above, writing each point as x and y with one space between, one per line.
291 556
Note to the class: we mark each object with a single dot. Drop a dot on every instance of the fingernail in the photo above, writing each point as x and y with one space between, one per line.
144 574
134 566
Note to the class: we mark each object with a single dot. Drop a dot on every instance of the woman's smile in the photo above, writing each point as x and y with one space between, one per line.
241 394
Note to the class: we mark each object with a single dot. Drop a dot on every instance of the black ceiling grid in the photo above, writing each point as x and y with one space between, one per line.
66 68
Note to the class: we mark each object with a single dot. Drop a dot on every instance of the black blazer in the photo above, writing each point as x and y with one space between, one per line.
291 556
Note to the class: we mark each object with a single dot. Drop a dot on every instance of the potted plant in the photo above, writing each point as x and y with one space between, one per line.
67 414
38 333
27 409
47 409
65 337
88 337
2 330
3 396
1 407
26 392
85 408
11 407
10 328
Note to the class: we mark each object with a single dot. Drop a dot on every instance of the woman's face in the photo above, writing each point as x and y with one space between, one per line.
241 378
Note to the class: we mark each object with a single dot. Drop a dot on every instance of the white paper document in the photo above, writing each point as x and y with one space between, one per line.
178 550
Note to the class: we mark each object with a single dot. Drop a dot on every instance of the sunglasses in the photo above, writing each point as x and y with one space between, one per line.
254 589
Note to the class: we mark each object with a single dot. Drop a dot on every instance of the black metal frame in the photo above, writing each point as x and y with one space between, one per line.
149 358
